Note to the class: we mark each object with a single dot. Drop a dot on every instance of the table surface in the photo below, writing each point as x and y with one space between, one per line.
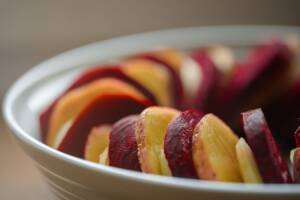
19 179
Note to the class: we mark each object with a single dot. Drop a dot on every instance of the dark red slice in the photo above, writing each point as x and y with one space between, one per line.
283 114
105 109
210 80
123 151
87 77
296 165
178 93
272 166
297 137
252 79
270 55
178 144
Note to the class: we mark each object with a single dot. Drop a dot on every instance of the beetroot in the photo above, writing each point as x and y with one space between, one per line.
297 137
210 81
178 144
296 164
255 80
122 149
271 164
283 114
105 109
87 77
177 87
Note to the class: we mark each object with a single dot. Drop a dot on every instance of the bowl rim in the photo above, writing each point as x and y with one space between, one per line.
29 78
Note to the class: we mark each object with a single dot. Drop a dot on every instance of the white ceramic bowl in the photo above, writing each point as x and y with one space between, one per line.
74 178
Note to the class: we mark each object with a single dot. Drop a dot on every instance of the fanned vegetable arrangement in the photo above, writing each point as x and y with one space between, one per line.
186 114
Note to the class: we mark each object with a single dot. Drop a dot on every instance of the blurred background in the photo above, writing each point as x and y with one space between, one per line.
33 30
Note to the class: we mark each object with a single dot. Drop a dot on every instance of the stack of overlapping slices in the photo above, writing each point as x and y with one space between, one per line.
166 112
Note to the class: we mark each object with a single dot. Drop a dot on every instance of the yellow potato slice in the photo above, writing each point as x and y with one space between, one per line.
214 150
70 105
150 133
96 143
247 163
153 77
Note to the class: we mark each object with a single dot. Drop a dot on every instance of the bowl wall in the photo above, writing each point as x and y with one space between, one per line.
73 178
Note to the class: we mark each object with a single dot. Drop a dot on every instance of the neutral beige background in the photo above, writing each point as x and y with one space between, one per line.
31 31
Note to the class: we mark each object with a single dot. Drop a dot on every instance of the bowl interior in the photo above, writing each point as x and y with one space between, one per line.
39 86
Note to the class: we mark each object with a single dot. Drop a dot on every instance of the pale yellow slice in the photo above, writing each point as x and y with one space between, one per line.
103 158
150 132
153 77
214 150
173 57
247 163
224 59
70 105
96 143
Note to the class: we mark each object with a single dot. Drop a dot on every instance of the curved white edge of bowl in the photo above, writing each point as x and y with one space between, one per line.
71 57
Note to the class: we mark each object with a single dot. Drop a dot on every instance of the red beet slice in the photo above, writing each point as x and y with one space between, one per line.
209 83
263 57
87 77
297 137
296 165
283 114
105 109
271 164
178 144
177 87
123 151
262 69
